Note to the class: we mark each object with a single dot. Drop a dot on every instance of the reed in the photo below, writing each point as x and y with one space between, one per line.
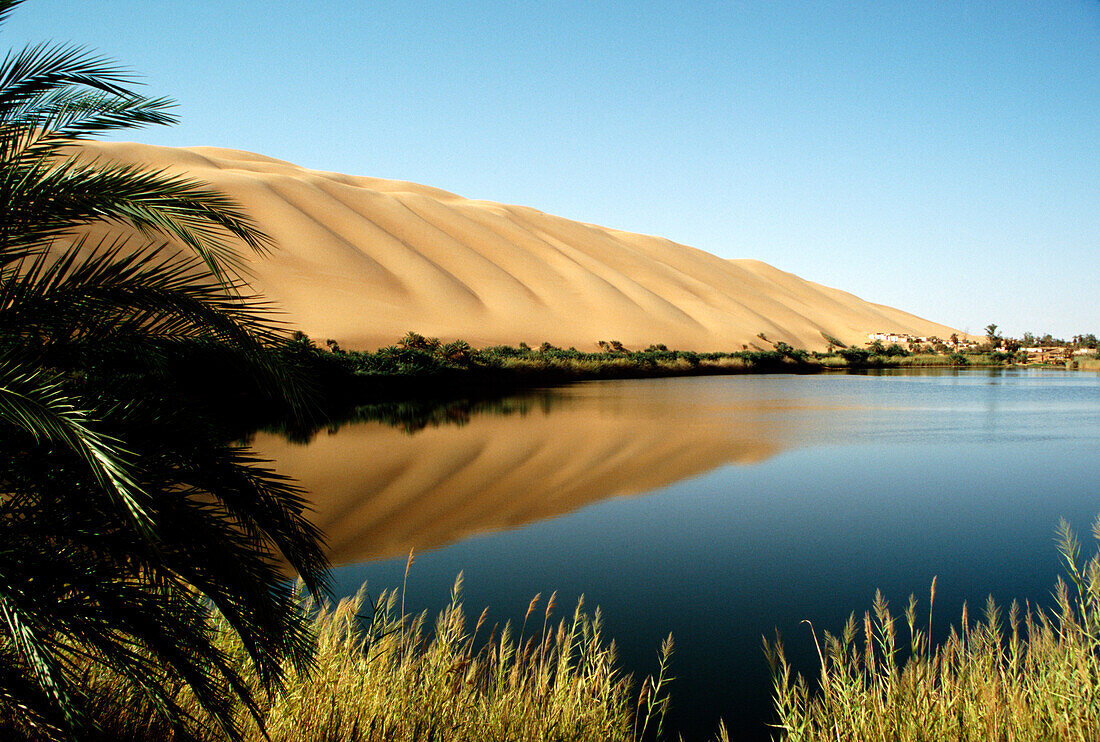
385 676
1028 674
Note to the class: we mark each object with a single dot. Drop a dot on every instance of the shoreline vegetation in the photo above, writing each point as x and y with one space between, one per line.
416 365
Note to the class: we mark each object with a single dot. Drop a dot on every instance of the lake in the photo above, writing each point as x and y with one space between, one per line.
720 509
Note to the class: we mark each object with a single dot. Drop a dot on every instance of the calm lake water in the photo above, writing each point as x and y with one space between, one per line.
720 509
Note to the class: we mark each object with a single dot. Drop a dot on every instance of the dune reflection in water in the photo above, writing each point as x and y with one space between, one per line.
380 490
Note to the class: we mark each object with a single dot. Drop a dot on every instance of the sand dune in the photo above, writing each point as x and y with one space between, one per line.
363 260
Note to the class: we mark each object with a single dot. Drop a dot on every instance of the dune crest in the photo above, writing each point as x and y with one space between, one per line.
363 260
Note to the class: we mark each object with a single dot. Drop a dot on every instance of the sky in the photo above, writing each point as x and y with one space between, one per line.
940 157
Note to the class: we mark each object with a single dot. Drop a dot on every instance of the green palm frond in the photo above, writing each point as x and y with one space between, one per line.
32 648
88 293
6 6
41 68
47 201
127 617
51 95
128 526
109 292
36 403
59 117
55 536
25 710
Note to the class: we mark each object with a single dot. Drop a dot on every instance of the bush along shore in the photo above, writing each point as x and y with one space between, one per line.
335 384
403 369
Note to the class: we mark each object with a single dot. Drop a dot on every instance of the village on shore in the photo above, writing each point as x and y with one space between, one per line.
1046 350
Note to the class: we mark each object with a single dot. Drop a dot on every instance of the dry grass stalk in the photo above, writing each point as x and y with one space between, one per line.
389 677
997 680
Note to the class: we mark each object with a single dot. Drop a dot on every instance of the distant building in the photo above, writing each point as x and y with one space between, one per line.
1047 355
890 337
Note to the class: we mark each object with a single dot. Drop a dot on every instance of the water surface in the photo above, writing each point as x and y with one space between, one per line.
721 509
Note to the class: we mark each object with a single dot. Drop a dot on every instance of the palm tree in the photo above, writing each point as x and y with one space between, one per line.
126 521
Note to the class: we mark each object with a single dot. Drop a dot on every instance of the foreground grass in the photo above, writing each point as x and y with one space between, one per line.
1027 675
1015 676
397 678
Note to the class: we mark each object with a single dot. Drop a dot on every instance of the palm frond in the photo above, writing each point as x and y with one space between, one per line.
56 118
127 523
109 292
269 509
6 7
47 201
31 646
87 293
127 616
42 68
35 402
25 710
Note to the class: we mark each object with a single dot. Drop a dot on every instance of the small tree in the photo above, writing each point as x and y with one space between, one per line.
416 341
991 335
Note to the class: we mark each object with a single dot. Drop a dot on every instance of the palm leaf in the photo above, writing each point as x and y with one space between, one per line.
6 6
109 292
114 556
43 68
85 294
47 201
60 116
35 403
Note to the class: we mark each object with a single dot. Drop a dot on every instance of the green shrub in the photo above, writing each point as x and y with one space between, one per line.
855 356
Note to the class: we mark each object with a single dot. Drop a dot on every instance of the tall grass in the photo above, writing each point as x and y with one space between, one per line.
392 677
1030 674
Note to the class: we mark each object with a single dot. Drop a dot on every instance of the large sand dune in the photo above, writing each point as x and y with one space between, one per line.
363 260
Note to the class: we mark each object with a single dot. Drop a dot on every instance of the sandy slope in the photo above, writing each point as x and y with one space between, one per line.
363 260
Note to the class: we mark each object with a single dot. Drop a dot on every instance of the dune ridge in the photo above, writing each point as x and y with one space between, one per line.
363 260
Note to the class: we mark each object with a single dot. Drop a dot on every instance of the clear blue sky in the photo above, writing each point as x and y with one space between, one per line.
941 157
